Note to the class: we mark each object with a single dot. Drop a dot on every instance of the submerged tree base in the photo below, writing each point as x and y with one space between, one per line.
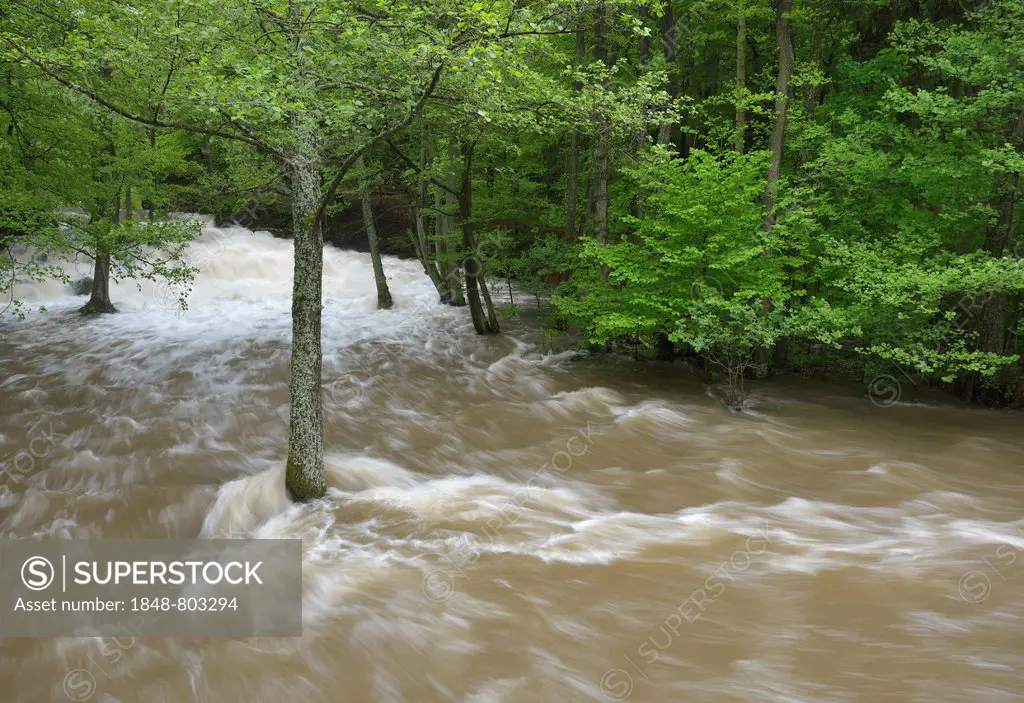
300 486
97 307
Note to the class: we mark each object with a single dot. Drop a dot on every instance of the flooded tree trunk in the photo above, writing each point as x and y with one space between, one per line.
450 245
476 294
99 298
304 476
384 301
424 250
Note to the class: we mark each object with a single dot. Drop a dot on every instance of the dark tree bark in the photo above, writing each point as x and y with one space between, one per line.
741 76
384 301
998 240
448 248
99 298
776 144
425 251
668 45
484 322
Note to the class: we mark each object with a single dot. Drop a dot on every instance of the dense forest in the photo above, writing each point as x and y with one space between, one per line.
792 187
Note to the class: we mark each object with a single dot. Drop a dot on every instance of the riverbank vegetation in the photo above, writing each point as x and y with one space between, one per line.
762 186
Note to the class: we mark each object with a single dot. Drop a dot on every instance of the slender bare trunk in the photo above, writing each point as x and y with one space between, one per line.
643 56
602 136
451 246
483 322
741 77
776 143
668 45
384 301
999 240
813 93
418 235
304 477
572 176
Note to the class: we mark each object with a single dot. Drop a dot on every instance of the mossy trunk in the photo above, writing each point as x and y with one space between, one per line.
99 299
384 301
304 477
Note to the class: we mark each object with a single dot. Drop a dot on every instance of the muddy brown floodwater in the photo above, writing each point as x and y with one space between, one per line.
504 523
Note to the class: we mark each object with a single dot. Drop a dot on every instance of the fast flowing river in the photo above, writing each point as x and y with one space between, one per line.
504 523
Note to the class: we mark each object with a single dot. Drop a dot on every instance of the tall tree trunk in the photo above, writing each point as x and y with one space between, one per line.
776 143
741 77
668 45
472 266
602 135
129 206
304 477
384 301
572 176
784 41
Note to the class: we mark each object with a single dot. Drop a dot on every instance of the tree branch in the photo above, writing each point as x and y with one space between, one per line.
412 164
343 169
250 138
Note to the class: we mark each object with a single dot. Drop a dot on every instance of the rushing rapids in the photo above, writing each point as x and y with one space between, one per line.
504 523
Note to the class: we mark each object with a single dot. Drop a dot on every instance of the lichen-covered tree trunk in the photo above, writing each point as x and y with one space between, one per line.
384 301
99 298
304 477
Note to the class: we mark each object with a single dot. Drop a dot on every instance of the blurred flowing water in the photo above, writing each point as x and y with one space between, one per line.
505 524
